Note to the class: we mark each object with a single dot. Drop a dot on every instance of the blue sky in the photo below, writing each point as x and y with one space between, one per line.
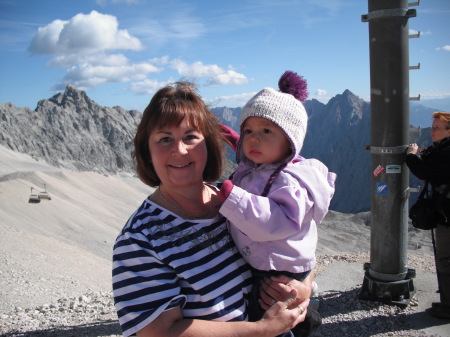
121 51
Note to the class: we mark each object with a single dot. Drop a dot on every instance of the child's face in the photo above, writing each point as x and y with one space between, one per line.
264 141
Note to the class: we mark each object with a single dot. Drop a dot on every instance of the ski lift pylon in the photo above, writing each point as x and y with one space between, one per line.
34 198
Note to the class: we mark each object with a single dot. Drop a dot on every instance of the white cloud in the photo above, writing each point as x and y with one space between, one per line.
321 95
160 60
196 69
446 48
46 39
86 47
229 77
321 92
66 61
83 34
83 46
215 75
148 86
114 69
125 73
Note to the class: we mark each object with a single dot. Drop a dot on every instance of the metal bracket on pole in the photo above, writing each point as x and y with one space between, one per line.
414 36
406 193
415 67
384 13
387 150
415 98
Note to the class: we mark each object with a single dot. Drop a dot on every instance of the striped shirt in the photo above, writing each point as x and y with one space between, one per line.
161 261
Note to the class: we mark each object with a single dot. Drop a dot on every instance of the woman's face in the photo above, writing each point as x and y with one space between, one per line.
178 155
438 130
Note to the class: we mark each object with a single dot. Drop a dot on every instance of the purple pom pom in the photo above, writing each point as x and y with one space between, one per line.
291 83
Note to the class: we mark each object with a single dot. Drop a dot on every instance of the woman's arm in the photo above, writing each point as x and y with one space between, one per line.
278 319
431 167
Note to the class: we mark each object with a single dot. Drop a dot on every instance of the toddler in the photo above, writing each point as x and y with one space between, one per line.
275 198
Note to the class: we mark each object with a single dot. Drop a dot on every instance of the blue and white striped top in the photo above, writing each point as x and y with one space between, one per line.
161 261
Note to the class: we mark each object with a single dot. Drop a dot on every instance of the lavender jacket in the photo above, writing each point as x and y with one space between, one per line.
278 232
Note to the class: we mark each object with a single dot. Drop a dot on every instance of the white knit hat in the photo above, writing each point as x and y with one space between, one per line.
284 108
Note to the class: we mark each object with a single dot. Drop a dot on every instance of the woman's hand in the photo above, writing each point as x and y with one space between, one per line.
284 315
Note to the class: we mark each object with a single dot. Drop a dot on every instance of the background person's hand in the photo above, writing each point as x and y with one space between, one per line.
412 148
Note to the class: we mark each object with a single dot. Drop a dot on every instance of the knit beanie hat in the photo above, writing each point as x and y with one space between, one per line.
284 108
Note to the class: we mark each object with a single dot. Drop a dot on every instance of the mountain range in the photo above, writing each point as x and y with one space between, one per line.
70 130
338 134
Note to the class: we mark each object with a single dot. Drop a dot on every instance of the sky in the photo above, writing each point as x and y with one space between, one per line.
121 51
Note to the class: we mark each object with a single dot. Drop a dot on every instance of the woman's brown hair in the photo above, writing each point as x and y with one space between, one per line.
169 107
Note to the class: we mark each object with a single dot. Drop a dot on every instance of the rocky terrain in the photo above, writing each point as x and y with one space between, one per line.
55 256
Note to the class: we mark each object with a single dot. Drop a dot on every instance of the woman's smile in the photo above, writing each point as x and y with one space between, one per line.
180 165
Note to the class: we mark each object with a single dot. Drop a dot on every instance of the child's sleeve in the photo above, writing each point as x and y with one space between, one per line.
275 217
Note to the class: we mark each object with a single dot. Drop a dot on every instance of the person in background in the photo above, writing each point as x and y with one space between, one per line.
433 165
275 198
176 270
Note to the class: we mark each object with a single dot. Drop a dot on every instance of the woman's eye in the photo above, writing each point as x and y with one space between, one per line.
164 140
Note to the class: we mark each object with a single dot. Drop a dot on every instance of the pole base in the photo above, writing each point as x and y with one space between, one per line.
390 292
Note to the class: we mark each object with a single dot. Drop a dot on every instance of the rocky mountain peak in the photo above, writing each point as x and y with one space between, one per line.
72 99
70 130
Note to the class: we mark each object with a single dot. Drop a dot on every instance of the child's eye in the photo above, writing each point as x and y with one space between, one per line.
267 131
247 132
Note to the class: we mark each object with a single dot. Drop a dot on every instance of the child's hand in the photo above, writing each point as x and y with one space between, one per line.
231 136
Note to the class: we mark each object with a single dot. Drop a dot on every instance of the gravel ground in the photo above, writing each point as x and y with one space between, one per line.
343 313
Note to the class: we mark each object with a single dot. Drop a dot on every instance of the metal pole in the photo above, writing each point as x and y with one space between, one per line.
387 277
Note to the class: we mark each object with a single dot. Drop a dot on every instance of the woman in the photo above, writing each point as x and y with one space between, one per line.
176 272
433 165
